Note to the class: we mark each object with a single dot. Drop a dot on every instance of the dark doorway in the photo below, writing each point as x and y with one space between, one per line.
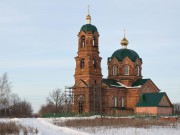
80 107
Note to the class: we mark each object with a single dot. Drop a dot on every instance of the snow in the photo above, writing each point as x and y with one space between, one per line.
45 127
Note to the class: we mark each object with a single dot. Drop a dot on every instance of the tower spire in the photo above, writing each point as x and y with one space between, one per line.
88 17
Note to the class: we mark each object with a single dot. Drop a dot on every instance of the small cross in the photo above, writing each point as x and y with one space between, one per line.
124 32
88 9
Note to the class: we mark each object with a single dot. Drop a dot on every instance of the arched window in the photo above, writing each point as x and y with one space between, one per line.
80 101
114 102
83 41
121 99
82 63
95 82
137 71
126 70
114 70
94 63
94 39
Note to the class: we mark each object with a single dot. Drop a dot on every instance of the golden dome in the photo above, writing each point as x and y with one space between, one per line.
124 42
88 17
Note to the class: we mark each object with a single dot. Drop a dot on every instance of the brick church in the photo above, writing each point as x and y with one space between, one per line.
124 88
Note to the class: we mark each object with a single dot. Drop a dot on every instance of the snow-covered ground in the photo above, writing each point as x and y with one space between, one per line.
46 127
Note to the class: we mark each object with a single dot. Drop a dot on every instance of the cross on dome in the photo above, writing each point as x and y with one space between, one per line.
88 17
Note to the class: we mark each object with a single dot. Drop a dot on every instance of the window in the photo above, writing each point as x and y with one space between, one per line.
114 102
80 100
82 63
121 102
83 41
137 71
94 41
114 70
126 70
94 62
94 85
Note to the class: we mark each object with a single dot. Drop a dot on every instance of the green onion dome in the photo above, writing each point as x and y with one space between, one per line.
122 53
89 28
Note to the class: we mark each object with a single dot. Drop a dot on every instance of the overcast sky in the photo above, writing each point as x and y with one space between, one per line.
38 41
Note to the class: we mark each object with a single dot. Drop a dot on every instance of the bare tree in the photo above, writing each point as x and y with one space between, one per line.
57 99
5 90
21 108
11 102
14 99
45 109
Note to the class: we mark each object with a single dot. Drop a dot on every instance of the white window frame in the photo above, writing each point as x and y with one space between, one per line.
137 71
126 70
121 102
115 70
114 102
94 43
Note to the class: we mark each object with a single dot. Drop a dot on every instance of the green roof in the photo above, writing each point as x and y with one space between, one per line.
89 27
139 82
120 54
111 82
150 99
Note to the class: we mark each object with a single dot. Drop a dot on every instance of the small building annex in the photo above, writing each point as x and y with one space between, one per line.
154 103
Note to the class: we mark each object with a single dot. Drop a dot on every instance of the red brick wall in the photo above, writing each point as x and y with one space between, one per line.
153 110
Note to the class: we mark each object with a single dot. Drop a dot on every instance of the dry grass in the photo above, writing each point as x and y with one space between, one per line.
13 128
10 128
114 122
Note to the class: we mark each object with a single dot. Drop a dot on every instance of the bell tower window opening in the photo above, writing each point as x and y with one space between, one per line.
83 41
137 71
94 39
95 82
126 70
115 70
94 63
82 63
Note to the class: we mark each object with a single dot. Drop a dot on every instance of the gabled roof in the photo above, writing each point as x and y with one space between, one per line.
111 82
139 82
81 83
150 99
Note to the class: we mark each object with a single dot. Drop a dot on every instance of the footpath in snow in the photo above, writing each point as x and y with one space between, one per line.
46 128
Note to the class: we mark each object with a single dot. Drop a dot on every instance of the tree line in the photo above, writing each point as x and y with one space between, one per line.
11 105
57 102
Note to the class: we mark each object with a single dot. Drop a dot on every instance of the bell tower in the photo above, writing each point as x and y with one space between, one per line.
88 76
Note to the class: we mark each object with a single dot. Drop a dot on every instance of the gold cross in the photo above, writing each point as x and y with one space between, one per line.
88 9
124 32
